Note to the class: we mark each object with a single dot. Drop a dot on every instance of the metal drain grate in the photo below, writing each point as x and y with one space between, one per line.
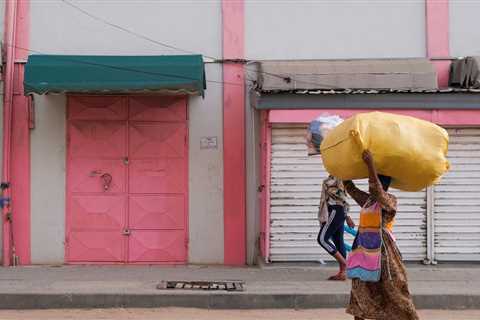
202 285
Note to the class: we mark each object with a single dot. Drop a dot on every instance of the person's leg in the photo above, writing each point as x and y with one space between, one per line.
338 240
336 216
325 234
323 226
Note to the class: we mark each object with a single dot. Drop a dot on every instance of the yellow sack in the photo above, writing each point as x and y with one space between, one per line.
411 151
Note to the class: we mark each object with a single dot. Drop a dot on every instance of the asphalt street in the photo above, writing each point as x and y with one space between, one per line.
201 314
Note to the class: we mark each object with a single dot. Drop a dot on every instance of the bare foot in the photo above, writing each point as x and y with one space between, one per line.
338 277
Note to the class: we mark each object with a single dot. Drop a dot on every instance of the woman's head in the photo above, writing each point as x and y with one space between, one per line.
385 181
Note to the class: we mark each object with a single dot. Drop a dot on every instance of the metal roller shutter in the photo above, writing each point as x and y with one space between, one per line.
457 201
295 191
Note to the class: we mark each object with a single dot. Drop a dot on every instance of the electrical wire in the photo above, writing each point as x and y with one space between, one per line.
136 34
287 79
106 66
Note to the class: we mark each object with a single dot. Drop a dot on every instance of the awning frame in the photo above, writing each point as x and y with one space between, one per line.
428 101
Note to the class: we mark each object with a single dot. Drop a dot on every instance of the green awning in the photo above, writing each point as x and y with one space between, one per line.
182 74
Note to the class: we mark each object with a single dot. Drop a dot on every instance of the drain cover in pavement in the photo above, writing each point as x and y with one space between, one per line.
202 285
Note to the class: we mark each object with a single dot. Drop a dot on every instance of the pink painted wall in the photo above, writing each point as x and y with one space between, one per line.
441 117
16 159
437 20
234 135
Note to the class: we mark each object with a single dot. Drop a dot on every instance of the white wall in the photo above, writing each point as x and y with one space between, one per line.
2 17
206 174
193 25
187 24
464 30
48 180
334 29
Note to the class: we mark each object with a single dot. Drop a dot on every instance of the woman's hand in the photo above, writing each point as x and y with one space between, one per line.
367 158
350 222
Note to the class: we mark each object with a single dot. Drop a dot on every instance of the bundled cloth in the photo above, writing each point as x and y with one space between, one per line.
318 129
411 151
465 73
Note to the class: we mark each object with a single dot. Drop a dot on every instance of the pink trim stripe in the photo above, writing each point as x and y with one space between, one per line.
16 147
437 19
10 23
234 182
440 117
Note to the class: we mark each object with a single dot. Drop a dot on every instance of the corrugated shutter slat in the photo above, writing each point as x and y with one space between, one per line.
295 191
457 204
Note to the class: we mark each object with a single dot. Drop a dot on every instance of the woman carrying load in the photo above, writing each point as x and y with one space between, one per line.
333 209
379 285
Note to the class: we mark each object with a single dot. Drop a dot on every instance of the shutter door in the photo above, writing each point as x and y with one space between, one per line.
295 194
457 200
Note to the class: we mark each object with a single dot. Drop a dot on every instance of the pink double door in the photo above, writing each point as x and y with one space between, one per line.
126 179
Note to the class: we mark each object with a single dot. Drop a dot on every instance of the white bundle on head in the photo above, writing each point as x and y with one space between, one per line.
318 129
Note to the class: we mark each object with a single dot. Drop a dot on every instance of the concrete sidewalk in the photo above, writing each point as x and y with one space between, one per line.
276 286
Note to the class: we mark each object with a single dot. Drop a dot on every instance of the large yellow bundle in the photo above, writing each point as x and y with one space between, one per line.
411 151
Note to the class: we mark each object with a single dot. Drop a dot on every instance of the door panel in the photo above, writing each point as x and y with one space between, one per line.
97 108
99 139
98 212
86 175
157 212
96 246
157 140
163 176
157 158
157 246
96 189
154 109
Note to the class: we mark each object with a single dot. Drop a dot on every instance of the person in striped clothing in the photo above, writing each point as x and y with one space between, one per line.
332 214
333 208
379 279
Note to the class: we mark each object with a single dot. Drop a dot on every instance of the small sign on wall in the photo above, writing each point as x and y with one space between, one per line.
208 143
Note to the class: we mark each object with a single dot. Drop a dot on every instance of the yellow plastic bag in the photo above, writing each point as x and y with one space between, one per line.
411 151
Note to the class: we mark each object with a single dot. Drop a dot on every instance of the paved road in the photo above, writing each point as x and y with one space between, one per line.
197 314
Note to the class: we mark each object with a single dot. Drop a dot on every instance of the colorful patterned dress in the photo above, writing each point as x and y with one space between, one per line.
389 297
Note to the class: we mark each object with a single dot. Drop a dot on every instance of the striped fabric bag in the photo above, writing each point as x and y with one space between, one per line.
364 262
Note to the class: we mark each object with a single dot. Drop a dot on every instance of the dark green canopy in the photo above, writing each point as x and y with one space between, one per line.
184 74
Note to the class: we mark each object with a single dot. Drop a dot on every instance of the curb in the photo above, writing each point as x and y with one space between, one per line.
215 301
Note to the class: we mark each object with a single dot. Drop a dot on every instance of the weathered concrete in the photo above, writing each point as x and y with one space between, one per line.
440 287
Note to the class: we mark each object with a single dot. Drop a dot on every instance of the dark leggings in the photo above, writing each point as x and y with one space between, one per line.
330 236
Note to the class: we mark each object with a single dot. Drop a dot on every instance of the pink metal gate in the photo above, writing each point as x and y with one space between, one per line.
126 179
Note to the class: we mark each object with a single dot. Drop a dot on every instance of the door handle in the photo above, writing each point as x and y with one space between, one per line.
126 232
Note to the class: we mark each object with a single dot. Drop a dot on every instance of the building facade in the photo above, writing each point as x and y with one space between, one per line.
115 160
